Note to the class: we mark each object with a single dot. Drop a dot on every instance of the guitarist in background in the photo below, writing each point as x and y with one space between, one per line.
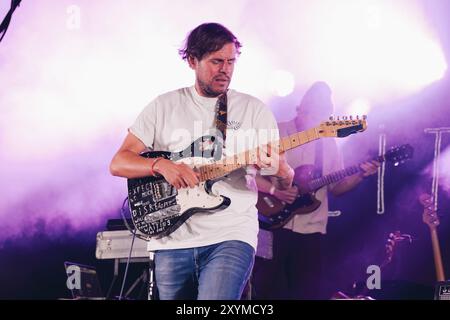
295 271
211 255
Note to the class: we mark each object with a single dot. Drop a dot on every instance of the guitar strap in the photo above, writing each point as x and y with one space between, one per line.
221 116
318 157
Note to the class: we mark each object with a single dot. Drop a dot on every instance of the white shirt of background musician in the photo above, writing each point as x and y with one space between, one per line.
172 122
305 155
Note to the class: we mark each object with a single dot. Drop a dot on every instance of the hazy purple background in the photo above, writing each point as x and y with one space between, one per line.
75 74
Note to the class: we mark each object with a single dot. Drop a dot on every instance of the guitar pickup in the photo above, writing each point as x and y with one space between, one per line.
269 202
163 214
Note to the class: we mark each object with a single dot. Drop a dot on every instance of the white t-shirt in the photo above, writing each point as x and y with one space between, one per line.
172 122
315 221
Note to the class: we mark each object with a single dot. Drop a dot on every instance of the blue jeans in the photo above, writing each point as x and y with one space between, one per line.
215 272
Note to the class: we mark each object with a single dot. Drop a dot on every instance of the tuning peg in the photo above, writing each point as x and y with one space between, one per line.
331 118
344 118
351 117
364 117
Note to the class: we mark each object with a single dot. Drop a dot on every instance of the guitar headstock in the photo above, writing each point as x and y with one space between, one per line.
429 215
393 240
341 127
399 154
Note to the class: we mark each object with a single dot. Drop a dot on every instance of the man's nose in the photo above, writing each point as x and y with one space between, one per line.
225 68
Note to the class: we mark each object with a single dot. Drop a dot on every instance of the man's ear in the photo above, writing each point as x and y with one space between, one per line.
192 62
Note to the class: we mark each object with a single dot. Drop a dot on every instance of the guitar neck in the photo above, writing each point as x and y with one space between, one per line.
437 255
228 164
338 175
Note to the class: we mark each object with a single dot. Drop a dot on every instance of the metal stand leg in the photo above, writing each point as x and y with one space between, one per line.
142 278
116 274
151 276
151 281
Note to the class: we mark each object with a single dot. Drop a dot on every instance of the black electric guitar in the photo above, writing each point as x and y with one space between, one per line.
157 208
274 213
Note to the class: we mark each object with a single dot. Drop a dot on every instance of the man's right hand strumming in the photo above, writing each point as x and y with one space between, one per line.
289 195
179 175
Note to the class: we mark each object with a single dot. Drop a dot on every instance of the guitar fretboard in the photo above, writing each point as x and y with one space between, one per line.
337 176
228 164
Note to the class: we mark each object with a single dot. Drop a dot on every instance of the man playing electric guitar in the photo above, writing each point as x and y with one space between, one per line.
294 272
209 255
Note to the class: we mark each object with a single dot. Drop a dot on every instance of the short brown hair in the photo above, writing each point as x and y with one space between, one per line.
207 38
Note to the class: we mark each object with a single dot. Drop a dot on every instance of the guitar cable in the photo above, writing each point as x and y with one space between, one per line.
135 234
122 212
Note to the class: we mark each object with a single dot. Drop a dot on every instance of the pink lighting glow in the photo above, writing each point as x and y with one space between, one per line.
73 77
